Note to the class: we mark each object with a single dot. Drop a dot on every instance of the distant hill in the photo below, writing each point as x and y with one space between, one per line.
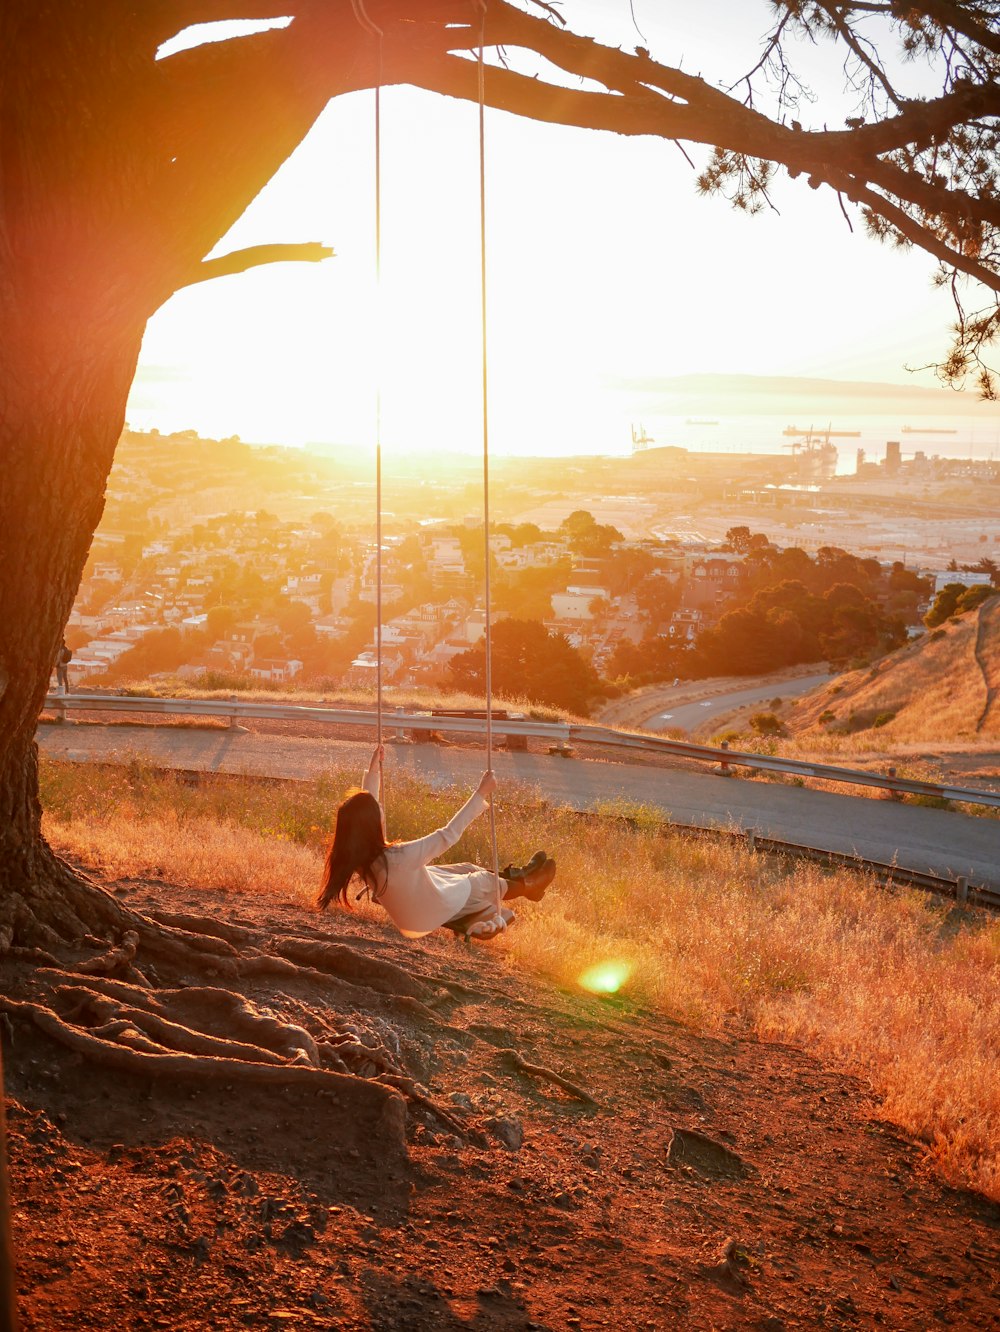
770 393
943 686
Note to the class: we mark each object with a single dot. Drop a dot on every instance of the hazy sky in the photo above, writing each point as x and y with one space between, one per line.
604 266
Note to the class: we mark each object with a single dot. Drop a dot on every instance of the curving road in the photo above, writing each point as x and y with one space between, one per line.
690 716
934 840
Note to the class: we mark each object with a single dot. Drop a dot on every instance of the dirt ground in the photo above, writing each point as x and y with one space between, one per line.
708 1183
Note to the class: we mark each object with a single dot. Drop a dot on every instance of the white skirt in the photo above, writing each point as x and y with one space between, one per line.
482 888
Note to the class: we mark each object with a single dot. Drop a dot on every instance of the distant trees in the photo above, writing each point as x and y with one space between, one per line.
657 657
527 593
530 662
956 599
944 604
786 624
973 597
587 537
158 652
902 579
792 609
658 597
769 565
219 620
523 534
628 570
743 541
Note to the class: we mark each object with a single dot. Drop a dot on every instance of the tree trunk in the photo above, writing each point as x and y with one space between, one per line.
62 408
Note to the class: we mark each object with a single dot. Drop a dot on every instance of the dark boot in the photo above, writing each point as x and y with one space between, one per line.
533 885
512 872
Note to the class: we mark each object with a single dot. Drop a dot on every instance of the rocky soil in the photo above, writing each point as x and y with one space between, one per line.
555 1160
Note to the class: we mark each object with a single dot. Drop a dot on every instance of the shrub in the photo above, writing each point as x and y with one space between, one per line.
883 719
938 634
766 723
974 597
226 680
826 717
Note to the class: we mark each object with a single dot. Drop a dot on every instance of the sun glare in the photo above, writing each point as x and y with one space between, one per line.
606 977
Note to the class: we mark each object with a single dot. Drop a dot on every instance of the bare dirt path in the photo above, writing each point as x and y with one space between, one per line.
711 1183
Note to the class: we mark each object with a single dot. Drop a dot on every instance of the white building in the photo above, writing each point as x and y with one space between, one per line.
576 603
275 670
961 576
445 555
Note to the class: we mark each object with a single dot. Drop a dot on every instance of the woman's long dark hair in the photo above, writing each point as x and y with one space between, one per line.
358 844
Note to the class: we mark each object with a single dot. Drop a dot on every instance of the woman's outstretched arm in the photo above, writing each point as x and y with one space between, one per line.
437 843
372 782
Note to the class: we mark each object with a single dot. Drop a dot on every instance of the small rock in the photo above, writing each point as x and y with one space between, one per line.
460 1099
506 1129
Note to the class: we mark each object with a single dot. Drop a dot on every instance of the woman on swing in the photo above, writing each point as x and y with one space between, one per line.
417 895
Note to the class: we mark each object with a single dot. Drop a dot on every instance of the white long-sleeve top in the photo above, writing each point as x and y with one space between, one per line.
419 896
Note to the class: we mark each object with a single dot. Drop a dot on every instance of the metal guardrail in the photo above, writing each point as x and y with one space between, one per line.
827 772
959 889
562 735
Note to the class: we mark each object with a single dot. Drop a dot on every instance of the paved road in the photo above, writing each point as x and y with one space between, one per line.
923 839
689 716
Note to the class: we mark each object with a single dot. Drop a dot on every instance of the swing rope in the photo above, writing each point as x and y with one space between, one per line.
361 14
488 644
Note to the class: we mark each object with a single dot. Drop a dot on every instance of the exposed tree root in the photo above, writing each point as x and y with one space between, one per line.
38 955
547 1075
408 1088
115 959
92 1010
338 960
98 1011
101 993
120 1045
233 934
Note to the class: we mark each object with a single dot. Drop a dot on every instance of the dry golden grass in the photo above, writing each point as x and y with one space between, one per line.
933 688
411 699
887 985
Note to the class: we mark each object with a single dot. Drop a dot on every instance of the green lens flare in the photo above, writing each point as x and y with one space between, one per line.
606 977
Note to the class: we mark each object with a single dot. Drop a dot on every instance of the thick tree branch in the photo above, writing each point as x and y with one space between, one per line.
255 256
243 106
920 235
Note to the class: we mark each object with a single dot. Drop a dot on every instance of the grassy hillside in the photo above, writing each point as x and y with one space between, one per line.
900 988
941 687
